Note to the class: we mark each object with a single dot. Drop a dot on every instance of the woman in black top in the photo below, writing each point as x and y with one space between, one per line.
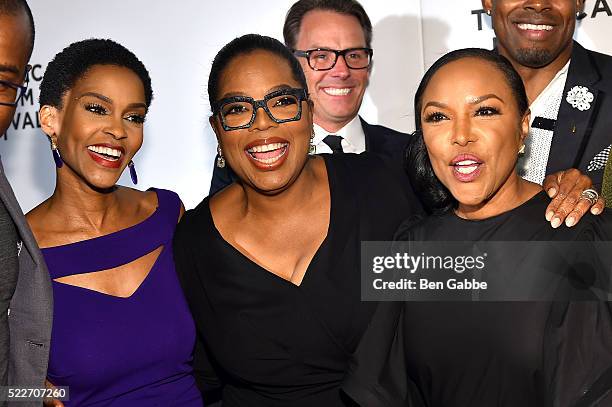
270 265
473 117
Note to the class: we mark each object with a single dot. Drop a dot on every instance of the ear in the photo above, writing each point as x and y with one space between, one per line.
214 123
49 120
525 125
580 6
488 4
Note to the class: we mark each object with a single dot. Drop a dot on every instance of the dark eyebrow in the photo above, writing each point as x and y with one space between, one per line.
474 101
274 89
109 100
482 98
98 96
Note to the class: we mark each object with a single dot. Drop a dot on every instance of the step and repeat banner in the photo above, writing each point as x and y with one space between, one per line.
177 42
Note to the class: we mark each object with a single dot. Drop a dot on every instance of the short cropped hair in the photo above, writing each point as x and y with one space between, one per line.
436 198
13 8
244 45
293 20
73 62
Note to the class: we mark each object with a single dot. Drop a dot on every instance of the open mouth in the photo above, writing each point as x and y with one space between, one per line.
466 168
337 91
534 27
106 153
268 154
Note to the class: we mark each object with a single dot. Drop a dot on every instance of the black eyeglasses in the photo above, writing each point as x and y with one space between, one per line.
11 93
238 112
323 59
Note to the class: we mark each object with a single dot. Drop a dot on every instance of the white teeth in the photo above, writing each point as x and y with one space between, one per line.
106 150
264 148
337 91
535 27
270 160
466 170
467 162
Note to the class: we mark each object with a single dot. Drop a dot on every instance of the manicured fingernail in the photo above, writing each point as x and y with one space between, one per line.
595 211
549 215
556 223
552 192
570 221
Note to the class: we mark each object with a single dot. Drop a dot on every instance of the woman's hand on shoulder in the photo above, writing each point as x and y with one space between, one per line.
568 202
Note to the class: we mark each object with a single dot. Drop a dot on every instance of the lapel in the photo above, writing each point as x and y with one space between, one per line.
368 137
574 127
12 206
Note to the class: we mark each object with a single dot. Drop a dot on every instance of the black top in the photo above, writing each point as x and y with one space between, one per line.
487 353
272 343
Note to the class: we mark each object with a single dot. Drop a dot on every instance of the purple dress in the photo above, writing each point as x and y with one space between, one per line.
114 351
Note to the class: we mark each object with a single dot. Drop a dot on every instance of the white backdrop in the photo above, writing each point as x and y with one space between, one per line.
177 42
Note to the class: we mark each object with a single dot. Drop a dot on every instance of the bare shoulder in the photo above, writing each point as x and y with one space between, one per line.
137 202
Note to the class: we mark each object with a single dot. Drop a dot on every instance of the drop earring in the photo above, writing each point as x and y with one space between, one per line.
56 155
220 158
311 147
133 174
522 150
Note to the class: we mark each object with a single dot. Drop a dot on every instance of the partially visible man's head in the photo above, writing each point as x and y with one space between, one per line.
16 44
534 33
337 93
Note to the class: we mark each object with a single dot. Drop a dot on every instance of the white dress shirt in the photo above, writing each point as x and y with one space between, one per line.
353 138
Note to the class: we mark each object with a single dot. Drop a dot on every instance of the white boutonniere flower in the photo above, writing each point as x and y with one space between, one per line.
580 98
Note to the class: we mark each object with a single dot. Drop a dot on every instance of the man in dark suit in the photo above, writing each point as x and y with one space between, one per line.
25 288
332 40
569 87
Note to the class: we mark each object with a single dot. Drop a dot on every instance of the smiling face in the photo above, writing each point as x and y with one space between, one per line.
337 93
14 48
267 156
534 33
100 125
473 130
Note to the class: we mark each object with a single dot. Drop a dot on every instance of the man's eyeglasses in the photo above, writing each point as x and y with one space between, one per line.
238 112
323 59
11 93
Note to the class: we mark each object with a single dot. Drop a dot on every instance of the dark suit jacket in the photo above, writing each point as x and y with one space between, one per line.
378 139
31 307
579 136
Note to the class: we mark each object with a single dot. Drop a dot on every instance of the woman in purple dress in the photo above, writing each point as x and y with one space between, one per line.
122 332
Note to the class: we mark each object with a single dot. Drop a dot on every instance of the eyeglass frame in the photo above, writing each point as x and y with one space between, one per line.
343 52
20 88
300 93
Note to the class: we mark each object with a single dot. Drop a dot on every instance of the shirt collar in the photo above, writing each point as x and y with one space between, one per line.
352 135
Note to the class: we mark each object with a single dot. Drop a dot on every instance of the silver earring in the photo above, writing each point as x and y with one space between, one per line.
311 147
220 158
489 13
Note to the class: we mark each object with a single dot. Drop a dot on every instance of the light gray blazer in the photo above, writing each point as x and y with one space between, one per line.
31 308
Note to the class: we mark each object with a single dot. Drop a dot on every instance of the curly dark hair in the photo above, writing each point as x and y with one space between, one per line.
73 62
436 198
246 44
13 8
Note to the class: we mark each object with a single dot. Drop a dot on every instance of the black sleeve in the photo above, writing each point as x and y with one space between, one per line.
206 377
221 178
377 374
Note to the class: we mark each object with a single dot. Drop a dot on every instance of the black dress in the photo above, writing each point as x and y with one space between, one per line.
268 341
507 354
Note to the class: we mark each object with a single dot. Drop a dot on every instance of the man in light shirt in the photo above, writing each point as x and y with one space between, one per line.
569 87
